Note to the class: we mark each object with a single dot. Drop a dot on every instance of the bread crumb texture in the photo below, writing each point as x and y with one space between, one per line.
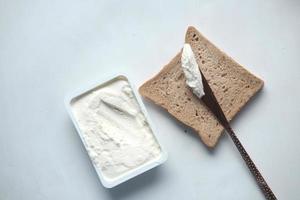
232 85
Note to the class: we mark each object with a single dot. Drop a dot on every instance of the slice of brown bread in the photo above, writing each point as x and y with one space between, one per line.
232 85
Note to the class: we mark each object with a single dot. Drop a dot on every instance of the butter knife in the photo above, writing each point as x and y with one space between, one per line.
211 102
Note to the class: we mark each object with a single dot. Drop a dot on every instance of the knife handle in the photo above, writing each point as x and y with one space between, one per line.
255 172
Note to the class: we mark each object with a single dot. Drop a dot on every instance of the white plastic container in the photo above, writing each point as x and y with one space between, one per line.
108 182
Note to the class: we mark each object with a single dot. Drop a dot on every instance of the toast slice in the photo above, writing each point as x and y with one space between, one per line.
232 85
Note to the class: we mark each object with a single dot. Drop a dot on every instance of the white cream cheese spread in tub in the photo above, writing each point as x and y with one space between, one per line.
114 129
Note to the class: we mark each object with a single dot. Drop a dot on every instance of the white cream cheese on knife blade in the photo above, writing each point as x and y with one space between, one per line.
115 130
191 71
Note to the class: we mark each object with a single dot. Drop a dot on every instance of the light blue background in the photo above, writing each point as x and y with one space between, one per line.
48 48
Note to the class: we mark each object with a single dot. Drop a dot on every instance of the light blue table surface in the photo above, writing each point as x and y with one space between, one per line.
48 48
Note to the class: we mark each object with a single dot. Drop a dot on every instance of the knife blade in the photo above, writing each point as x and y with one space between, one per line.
211 102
